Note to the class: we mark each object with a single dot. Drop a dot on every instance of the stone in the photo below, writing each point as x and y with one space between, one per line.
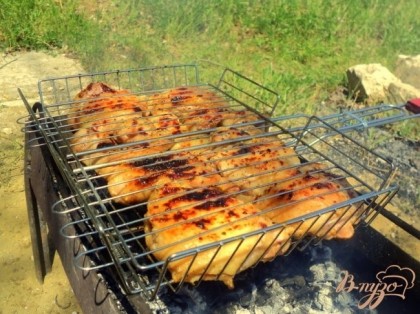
408 70
399 92
374 83
369 81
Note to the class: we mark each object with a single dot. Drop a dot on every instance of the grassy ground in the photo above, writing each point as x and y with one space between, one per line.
299 48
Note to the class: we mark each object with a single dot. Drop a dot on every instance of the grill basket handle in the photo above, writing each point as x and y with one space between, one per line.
413 105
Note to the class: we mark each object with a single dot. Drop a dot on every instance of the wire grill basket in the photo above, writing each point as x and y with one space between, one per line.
117 231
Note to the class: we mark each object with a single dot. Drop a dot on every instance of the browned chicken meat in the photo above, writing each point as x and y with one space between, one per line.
98 100
196 144
310 189
253 163
197 107
106 118
240 118
231 135
133 182
153 133
208 224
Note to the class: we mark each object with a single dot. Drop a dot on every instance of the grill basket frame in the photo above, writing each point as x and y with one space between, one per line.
316 137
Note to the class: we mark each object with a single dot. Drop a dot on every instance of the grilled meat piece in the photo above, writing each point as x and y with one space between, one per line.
185 101
132 183
195 144
212 223
254 163
197 107
230 135
240 118
309 190
119 129
100 101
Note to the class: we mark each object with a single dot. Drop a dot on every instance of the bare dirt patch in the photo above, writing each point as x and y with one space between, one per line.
19 290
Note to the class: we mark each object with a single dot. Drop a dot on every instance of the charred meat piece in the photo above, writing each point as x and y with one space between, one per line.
133 182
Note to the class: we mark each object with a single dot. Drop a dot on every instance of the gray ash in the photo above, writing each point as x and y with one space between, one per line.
303 282
404 154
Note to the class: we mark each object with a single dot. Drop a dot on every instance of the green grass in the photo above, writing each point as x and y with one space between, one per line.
48 24
299 48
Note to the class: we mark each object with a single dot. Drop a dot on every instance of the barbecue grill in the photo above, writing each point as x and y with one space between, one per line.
71 210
